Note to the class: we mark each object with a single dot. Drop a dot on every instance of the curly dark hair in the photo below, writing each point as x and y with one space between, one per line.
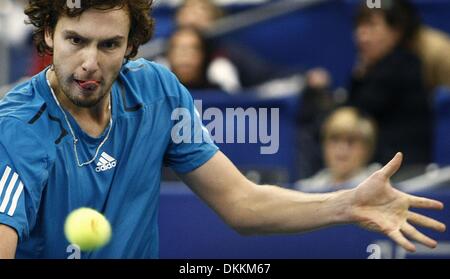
44 14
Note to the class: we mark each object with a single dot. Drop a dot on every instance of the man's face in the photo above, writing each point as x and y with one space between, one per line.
88 52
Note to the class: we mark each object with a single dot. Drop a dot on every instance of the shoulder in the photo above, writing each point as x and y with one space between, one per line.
150 82
142 68
19 136
399 68
401 61
320 182
22 148
20 112
150 77
22 102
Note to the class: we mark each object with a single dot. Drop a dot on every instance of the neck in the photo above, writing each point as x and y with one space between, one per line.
92 120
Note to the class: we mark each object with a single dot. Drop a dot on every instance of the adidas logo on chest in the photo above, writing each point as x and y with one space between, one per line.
105 162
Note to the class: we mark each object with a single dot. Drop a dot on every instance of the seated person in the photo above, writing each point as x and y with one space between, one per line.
387 82
188 58
234 66
348 140
200 14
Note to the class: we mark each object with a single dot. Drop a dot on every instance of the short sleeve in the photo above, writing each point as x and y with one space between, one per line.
190 145
22 176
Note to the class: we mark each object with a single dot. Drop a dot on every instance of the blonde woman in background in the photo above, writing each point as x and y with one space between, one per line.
348 145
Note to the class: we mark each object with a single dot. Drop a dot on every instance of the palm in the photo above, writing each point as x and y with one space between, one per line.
378 206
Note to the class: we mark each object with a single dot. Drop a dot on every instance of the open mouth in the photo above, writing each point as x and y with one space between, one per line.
89 85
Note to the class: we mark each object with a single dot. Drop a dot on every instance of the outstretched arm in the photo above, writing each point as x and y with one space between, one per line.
264 209
8 242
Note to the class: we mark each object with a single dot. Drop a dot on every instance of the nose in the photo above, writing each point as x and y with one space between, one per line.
361 34
90 61
343 146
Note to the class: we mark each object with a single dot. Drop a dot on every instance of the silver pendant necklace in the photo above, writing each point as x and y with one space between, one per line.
75 139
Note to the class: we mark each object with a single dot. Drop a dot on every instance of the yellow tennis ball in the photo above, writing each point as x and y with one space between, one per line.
87 228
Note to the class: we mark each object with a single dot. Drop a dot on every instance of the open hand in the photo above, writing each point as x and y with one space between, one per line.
377 206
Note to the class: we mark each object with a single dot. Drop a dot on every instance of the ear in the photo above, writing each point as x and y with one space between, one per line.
48 37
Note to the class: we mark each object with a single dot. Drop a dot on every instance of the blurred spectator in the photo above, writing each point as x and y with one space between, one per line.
188 57
14 34
18 36
200 14
316 104
387 82
13 25
236 65
433 48
348 144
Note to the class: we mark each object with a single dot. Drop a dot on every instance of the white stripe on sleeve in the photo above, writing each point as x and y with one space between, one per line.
16 197
4 178
8 192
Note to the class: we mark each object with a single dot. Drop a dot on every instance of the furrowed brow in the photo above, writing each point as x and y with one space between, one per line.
70 33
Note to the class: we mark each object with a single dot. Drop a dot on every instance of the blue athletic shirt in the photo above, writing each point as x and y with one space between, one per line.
41 183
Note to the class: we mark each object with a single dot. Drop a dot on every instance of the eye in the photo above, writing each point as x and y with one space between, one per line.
75 40
109 45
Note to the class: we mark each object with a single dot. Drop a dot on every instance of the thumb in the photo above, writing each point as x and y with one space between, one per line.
392 167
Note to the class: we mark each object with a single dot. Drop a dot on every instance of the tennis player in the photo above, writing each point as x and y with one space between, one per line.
95 129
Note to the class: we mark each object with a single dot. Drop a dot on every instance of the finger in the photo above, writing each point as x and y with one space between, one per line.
420 202
390 168
425 221
414 234
398 237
